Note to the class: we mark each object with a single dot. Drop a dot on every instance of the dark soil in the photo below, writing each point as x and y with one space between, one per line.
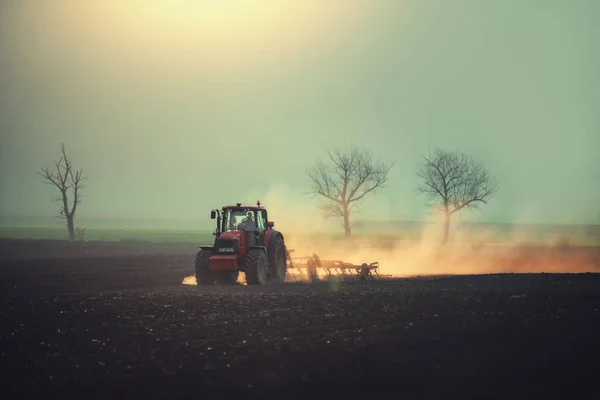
118 323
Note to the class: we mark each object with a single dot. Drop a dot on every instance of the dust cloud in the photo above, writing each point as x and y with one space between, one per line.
468 252
465 253
398 258
189 280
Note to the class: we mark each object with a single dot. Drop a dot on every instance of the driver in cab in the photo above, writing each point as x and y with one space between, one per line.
248 223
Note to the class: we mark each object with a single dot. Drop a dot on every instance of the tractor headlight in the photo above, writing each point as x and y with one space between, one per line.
227 250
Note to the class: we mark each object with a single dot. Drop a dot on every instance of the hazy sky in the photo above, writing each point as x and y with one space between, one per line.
176 107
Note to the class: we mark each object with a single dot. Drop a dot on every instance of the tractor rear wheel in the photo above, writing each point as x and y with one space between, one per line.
204 276
255 267
227 277
277 258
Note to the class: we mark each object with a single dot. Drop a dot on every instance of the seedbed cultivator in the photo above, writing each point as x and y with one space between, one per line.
331 269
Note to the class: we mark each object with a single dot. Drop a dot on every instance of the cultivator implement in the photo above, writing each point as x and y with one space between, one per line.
332 268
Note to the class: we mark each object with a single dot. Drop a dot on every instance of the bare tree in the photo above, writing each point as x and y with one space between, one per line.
454 181
67 181
351 176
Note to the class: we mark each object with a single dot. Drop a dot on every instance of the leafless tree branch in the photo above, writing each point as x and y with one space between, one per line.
65 179
350 176
454 181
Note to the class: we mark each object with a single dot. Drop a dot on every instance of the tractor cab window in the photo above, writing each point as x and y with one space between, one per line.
232 219
240 219
260 221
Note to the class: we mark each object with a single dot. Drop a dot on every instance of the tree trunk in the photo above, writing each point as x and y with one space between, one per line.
347 227
447 226
70 226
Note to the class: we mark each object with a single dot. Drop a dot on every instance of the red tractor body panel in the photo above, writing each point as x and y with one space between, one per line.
223 263
240 237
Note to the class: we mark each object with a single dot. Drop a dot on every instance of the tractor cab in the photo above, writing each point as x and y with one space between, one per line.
250 219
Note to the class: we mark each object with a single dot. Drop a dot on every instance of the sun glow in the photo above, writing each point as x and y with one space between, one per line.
222 32
206 14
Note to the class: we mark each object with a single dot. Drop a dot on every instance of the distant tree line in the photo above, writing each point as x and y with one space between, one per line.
452 181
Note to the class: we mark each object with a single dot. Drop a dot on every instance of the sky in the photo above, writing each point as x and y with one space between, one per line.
176 107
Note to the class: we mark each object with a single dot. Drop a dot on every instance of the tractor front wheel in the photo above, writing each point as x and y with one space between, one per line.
204 276
255 267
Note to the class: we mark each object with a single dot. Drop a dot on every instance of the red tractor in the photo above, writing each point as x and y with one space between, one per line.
244 241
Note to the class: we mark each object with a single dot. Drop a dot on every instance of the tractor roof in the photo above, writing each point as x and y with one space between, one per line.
243 208
239 206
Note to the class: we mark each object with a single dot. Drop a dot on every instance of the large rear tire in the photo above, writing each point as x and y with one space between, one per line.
255 267
227 277
204 277
277 258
